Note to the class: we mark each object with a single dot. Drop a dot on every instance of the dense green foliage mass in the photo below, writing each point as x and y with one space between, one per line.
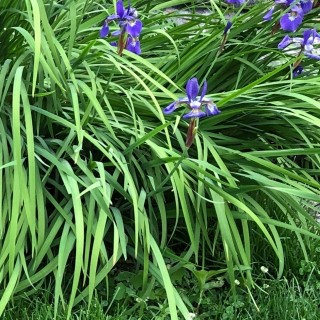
94 179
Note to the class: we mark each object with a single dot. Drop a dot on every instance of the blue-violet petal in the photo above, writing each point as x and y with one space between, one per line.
120 9
290 21
212 109
284 42
204 90
268 15
104 31
306 5
313 56
133 46
170 108
195 113
192 89
134 28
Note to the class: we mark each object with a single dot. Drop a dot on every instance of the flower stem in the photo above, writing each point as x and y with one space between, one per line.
122 41
192 130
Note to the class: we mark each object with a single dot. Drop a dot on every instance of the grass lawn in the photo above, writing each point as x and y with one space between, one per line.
295 296
279 300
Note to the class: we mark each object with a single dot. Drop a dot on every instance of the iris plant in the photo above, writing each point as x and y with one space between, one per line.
200 107
130 28
291 20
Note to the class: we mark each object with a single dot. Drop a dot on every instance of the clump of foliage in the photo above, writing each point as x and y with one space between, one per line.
94 178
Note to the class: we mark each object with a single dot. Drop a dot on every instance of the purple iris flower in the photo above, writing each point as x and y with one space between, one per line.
237 3
225 35
310 37
228 27
127 19
194 102
297 71
291 20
